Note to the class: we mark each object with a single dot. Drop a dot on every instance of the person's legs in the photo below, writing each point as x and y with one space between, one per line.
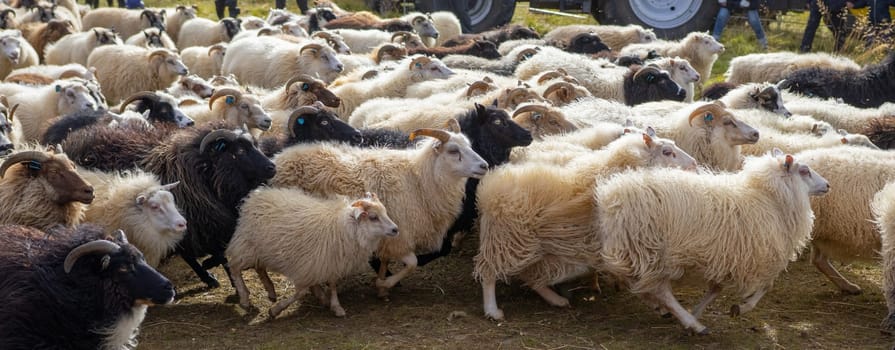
755 22
233 8
720 23
302 5
280 4
838 26
219 8
811 27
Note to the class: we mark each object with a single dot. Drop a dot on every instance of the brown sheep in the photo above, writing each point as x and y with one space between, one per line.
367 20
40 34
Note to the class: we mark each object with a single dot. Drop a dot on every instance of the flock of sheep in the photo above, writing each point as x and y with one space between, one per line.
315 146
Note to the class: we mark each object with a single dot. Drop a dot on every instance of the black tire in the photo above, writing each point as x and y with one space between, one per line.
683 16
490 14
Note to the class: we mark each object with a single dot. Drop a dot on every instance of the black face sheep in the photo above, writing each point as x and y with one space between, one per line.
162 108
650 84
312 241
77 289
496 36
478 48
587 43
42 189
8 19
10 131
308 124
216 169
869 87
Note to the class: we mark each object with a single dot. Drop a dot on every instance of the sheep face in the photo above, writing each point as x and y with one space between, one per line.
646 35
8 19
306 90
322 59
484 49
11 45
149 19
153 38
316 123
424 27
586 43
95 92
681 70
6 145
64 184
169 64
247 109
45 12
429 70
161 210
499 127
510 98
651 84
197 85
134 277
770 99
726 128
664 153
229 28
816 184
186 12
162 110
324 15
75 98
371 217
238 161
105 36
704 43
456 157
542 120
57 29
294 29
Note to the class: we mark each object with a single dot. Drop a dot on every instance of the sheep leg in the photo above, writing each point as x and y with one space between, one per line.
382 274
268 284
748 305
322 297
409 261
653 303
551 297
666 299
708 298
334 304
277 308
490 299
241 289
822 262
203 274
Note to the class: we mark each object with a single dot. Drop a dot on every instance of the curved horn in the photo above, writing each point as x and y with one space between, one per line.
559 85
708 107
301 78
645 69
420 60
311 46
12 112
7 11
527 53
150 95
516 92
90 248
441 135
162 52
322 34
216 47
224 92
475 87
549 76
300 112
216 135
531 108
403 34
21 157
389 49
417 19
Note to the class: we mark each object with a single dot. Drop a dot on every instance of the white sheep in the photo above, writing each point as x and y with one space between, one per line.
204 61
424 25
700 49
773 67
422 187
738 230
234 107
138 204
76 47
16 52
448 26
616 37
562 149
535 220
795 124
310 240
190 86
39 105
205 32
179 15
840 115
884 217
152 38
681 72
270 63
125 22
54 72
772 138
146 70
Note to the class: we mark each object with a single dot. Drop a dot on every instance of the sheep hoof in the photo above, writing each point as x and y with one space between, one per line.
272 298
211 283
231 299
249 308
704 331
666 314
339 312
496 315
734 311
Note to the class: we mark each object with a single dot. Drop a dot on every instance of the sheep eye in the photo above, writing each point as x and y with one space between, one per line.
667 152
497 122
373 217
324 123
727 122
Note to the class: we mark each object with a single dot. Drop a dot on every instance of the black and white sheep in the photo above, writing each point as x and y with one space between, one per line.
869 87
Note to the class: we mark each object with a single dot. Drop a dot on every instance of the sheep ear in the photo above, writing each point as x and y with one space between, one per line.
359 209
650 131
141 199
842 132
119 235
453 126
647 140
788 162
58 88
776 152
494 103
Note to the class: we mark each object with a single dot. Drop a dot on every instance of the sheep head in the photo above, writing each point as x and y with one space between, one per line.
847 138
153 19
390 52
55 169
105 36
229 27
45 11
8 19
480 87
542 120
408 39
703 43
303 90
166 63
646 35
817 185
649 83
235 157
512 97
562 93
153 38
494 124
587 43
158 204
371 217
160 109
334 40
424 26
721 125
6 127
769 98
314 122
519 32
238 108
559 73
11 44
527 53
680 69
197 85
483 49
424 68
454 154
663 152
294 29
323 58
75 97
57 29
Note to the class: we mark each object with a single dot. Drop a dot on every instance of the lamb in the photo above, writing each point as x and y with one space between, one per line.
869 87
152 38
146 69
617 37
10 129
76 47
406 180
352 230
882 213
39 105
138 204
42 189
126 22
203 61
741 229
773 67
273 63
838 114
205 32
700 49
41 34
504 66
536 220
17 53
191 86
542 120
367 20
180 15
216 169
86 290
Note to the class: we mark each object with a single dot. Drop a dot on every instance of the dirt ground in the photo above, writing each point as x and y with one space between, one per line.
440 307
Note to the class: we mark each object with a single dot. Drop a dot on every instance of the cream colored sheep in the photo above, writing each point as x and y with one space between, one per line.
840 115
38 106
764 96
772 138
54 72
884 215
270 63
542 120
423 24
562 149
203 61
179 15
536 220
310 240
75 48
235 107
700 49
190 86
616 37
123 70
773 67
152 38
205 32
125 22
681 72
738 230
16 52
448 27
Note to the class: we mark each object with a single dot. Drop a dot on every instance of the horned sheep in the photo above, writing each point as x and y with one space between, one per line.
125 22
205 32
152 38
617 37
76 47
146 69
39 105
273 63
234 107
700 49
205 62
773 67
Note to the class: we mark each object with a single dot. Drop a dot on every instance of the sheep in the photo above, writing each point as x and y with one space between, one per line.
298 92
869 87
542 120
205 32
280 16
423 24
410 70
10 129
332 39
773 67
54 72
41 34
152 38
681 72
505 66
125 22
162 108
365 40
367 20
267 62
881 131
216 169
42 189
236 108
203 61
700 49
616 37
8 19
180 15
17 53
741 229
76 47
147 69
61 127
838 114
86 290
552 216
796 124
447 25
478 48
496 36
138 204
39 105
191 86
252 23
308 124
763 96
406 180
882 214
104 147
315 21
772 138
352 230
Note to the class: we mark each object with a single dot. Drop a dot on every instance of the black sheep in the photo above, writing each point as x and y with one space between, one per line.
497 36
478 48
73 289
651 84
870 87
309 124
587 43
108 148
717 90
216 168
881 132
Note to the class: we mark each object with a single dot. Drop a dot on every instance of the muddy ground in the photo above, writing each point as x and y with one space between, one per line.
440 308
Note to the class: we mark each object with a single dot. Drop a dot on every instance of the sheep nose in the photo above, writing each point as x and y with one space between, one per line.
394 231
435 36
190 123
483 166
6 147
698 77
754 135
88 190
357 138
339 68
271 168
89 104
